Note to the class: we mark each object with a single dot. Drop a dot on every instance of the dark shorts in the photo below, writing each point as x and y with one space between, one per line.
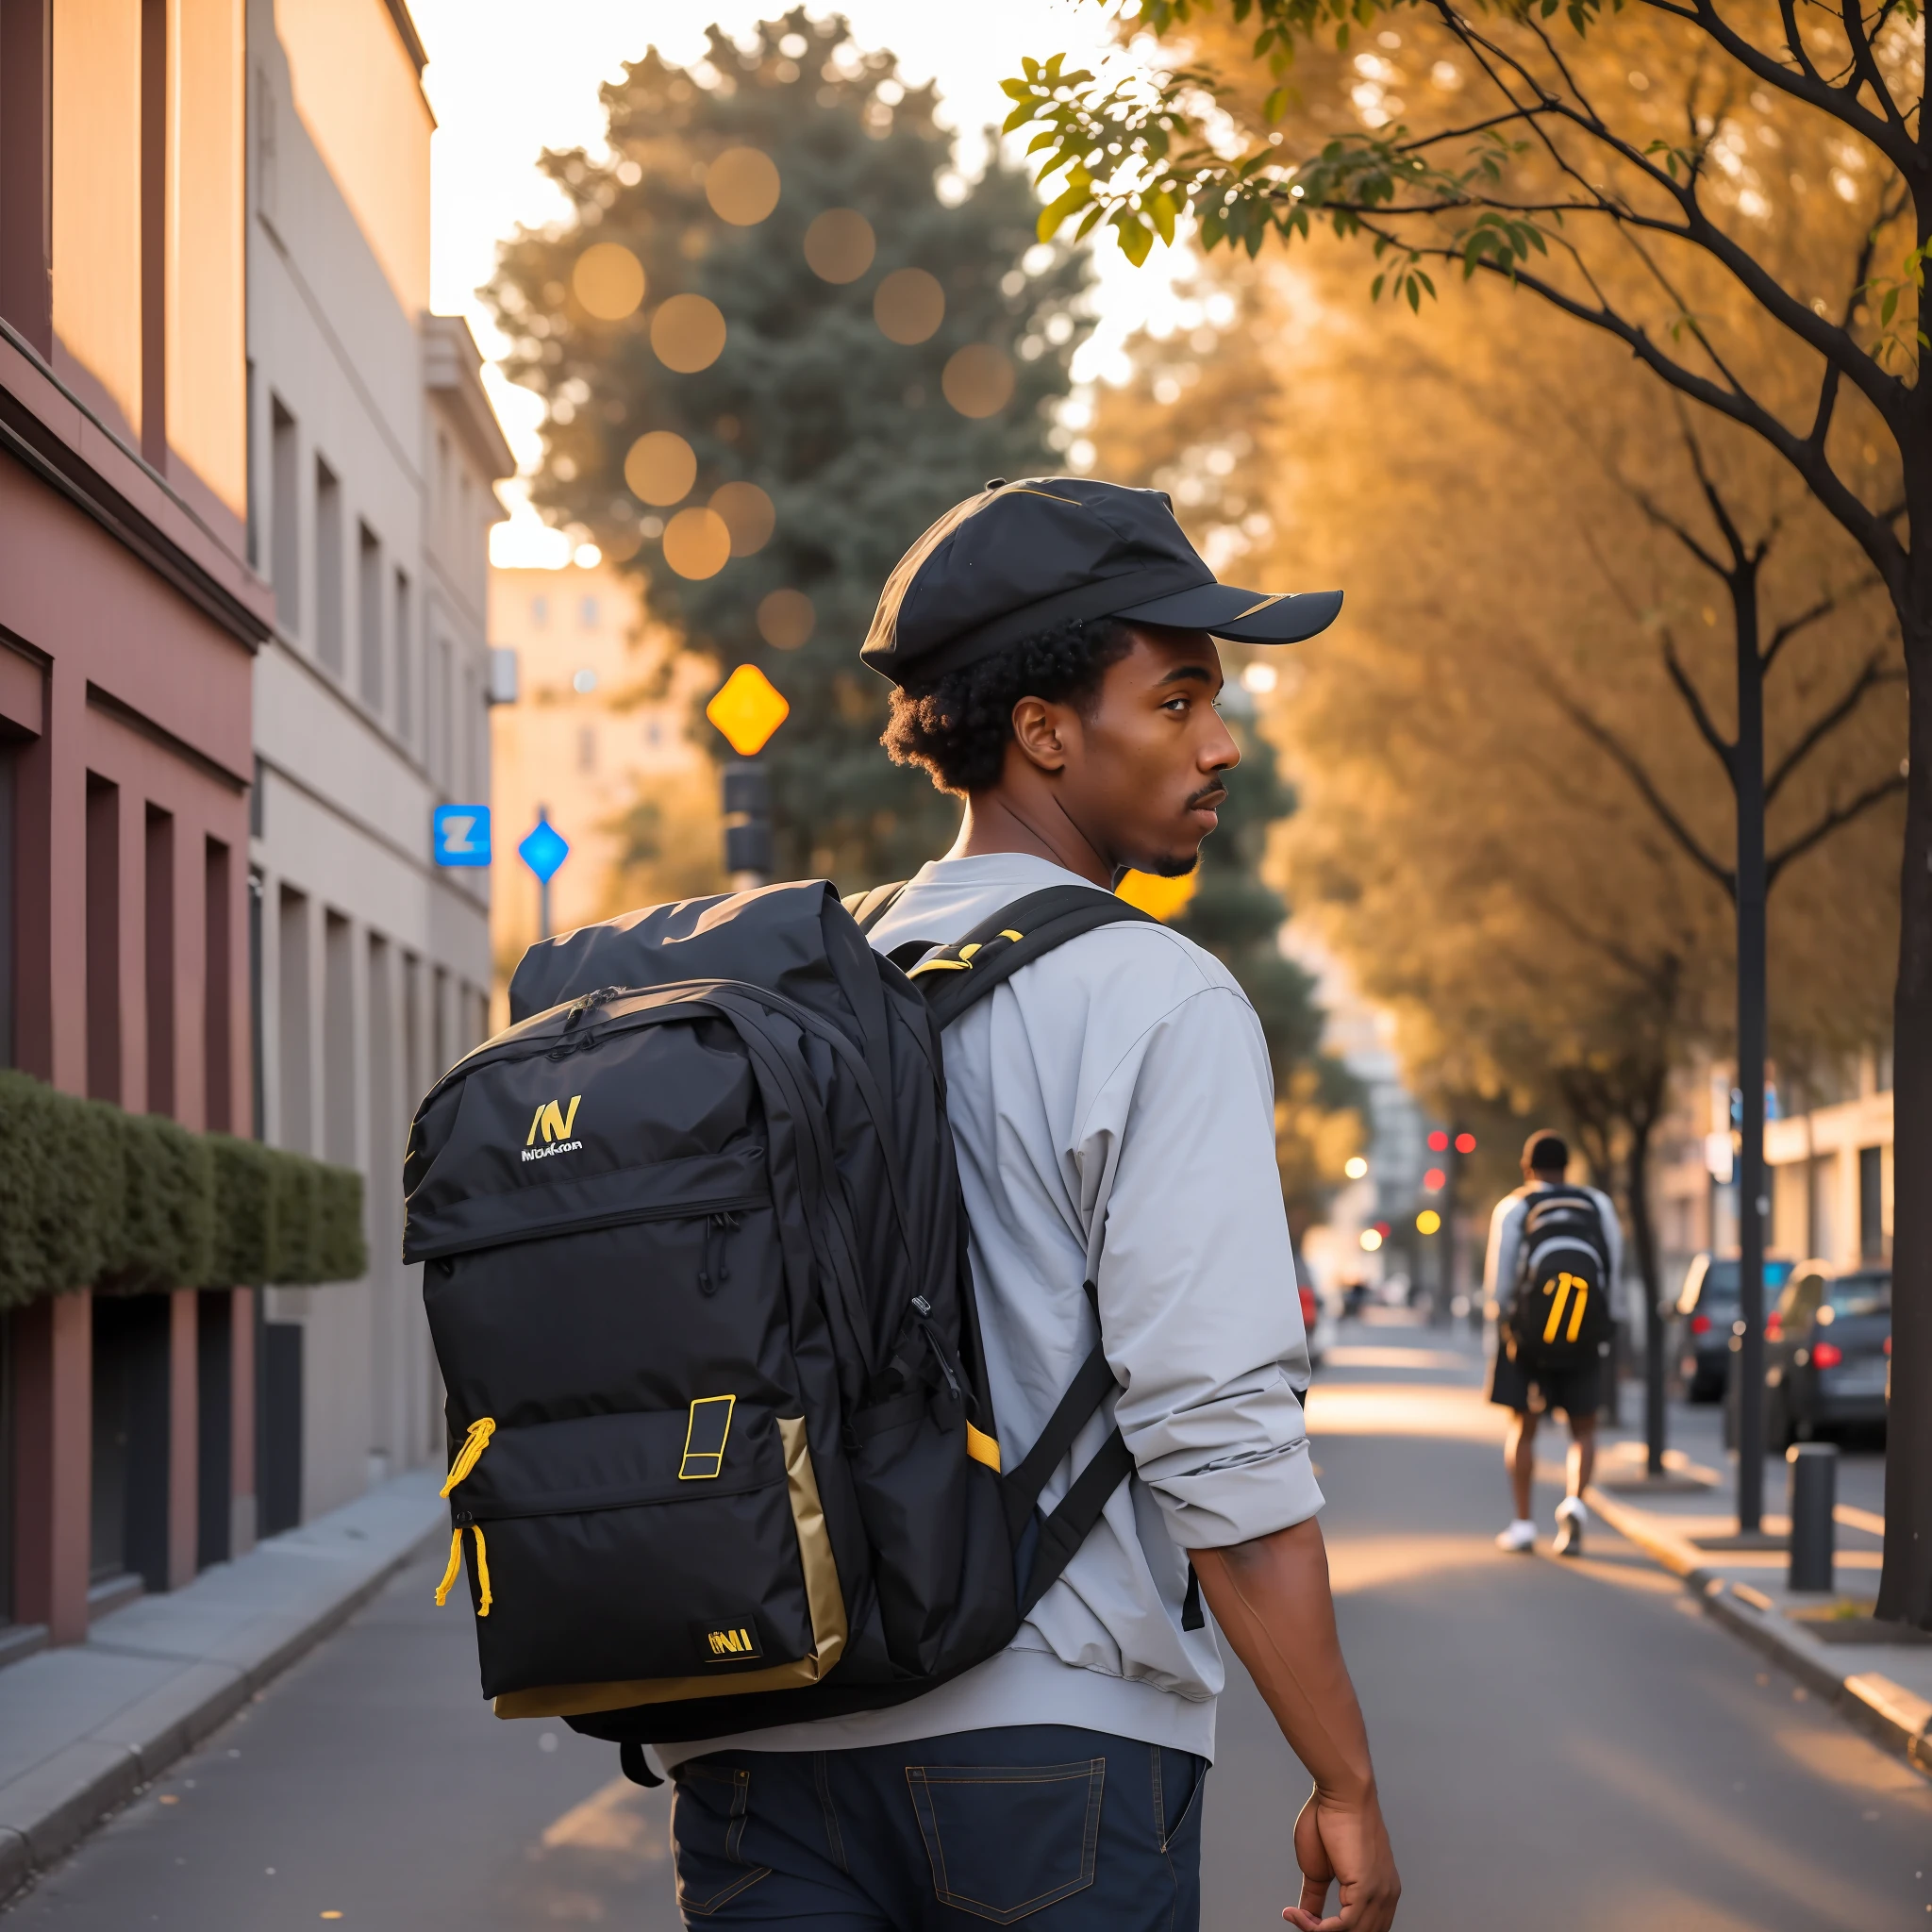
1576 1391
1042 1825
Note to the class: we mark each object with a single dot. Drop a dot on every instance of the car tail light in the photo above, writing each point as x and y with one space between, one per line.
1309 1307
1700 1325
1774 1326
1888 1345
1826 1355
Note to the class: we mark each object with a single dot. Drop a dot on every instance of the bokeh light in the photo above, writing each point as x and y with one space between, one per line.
608 281
697 543
1434 1180
908 305
660 468
1371 1239
786 618
1427 1222
741 185
1355 1167
688 333
1465 1143
978 380
840 245
748 515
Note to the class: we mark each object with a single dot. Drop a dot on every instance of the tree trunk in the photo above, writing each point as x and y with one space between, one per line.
1747 773
1905 1589
1643 1244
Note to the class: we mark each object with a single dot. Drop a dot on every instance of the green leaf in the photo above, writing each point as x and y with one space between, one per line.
1275 106
1136 239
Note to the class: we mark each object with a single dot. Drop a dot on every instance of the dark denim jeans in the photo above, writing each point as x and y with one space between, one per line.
1061 1829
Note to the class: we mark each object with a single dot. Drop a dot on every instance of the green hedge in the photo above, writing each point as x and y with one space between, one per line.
95 1197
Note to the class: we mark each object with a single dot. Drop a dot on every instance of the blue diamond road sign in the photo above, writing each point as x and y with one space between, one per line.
544 850
460 834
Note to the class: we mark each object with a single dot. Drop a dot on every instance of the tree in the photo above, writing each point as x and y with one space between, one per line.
1140 437
1678 220
889 340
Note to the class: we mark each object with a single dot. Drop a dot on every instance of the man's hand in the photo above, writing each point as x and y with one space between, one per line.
1272 1600
1350 1843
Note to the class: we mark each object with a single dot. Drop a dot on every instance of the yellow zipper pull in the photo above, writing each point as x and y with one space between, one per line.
474 1442
456 1567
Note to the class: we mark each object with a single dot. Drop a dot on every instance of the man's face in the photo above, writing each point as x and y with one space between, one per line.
1139 769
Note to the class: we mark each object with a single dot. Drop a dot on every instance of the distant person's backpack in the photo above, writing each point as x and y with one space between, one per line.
694 1257
1559 1315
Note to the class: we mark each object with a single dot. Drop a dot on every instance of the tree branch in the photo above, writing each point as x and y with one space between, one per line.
1870 675
1838 815
1726 750
1606 741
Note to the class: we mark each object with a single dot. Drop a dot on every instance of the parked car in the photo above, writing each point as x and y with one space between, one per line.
1827 1352
1708 1305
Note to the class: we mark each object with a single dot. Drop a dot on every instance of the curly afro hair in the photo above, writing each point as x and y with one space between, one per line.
959 726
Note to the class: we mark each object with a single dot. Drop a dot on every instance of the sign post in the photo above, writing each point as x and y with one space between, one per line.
747 708
544 849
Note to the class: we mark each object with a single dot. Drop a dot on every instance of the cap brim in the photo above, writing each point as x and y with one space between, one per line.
1243 617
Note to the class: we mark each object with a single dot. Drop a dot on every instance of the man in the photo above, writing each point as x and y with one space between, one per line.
1050 645
1577 1392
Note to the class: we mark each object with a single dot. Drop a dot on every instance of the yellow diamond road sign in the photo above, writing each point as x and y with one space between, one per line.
747 709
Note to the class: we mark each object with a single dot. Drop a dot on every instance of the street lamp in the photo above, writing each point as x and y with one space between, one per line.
747 708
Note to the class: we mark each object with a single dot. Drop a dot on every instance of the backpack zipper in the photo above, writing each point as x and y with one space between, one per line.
922 1310
713 1274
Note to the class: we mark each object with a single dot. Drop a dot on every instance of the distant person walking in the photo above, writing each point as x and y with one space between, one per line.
1555 1254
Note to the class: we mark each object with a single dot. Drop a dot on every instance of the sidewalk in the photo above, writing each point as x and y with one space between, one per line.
1827 1640
83 1727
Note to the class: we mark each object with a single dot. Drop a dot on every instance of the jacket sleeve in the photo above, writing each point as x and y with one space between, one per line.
1498 1263
1198 1309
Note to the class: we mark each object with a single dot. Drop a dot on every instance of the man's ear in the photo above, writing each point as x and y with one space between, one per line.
1038 732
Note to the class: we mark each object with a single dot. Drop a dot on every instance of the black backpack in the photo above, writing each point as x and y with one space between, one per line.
1559 1312
723 1452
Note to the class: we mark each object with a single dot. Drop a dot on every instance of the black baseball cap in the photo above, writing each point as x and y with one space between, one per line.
1023 557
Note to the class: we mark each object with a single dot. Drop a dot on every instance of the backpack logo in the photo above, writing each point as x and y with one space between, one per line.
1558 1289
554 1125
728 1644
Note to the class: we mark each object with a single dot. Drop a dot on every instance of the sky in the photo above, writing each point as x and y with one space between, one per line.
503 88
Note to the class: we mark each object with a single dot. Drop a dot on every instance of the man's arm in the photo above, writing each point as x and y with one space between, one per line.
1272 1600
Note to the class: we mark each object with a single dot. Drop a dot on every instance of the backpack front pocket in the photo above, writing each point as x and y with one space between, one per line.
649 1558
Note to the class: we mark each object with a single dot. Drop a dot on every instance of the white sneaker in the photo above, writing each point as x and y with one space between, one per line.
1571 1517
1519 1536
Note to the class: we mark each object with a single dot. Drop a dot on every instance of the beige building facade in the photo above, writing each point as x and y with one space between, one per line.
590 740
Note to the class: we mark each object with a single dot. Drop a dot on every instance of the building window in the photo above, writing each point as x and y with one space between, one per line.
438 712
338 1043
329 568
405 662
159 918
9 858
285 515
369 614
1871 1203
297 1107
103 939
218 993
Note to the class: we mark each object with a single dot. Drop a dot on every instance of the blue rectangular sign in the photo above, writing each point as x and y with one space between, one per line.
461 834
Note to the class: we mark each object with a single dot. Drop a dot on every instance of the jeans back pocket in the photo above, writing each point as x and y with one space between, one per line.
1008 1840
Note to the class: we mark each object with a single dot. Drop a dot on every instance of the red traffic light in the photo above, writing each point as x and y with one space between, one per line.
1383 1229
1439 1142
1434 1180
1465 1143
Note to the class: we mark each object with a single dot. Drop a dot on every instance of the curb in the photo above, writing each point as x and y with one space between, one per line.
48 1810
1887 1712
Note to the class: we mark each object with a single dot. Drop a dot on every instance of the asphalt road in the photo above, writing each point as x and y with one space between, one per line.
1560 1745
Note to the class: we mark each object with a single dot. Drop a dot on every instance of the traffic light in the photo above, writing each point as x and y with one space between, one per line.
747 818
747 708
1439 1142
1465 1143
1434 1181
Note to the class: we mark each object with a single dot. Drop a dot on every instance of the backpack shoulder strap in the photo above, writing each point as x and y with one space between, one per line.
1015 936
868 909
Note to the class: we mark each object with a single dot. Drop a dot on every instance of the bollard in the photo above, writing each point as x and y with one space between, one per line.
1812 1492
